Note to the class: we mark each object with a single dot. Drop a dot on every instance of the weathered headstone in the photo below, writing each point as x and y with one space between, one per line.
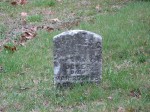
77 57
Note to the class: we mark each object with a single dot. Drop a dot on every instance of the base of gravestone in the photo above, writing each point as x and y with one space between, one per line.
64 85
70 85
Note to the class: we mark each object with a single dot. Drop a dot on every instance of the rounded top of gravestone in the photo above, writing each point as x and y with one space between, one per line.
73 32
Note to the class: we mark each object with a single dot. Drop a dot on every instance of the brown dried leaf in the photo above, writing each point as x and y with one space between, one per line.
135 93
14 3
49 29
10 48
28 34
23 39
22 2
121 109
31 36
33 29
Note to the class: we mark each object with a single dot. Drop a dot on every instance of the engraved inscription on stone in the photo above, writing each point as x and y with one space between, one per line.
77 57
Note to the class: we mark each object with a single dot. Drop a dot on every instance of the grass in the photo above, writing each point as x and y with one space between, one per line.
26 81
34 18
2 31
43 3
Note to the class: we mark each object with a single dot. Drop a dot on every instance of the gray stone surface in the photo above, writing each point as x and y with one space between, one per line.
77 57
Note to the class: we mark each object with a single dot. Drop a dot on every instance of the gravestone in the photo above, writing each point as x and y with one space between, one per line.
77 57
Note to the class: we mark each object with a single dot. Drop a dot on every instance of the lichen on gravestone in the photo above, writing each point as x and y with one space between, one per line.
77 57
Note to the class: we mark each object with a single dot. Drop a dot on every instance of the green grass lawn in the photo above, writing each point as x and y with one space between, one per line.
26 78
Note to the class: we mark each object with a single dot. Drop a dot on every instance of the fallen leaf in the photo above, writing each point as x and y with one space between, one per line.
14 3
22 2
24 14
121 109
23 44
59 0
49 29
33 29
10 48
35 81
17 106
55 20
110 97
98 8
23 39
28 34
135 93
